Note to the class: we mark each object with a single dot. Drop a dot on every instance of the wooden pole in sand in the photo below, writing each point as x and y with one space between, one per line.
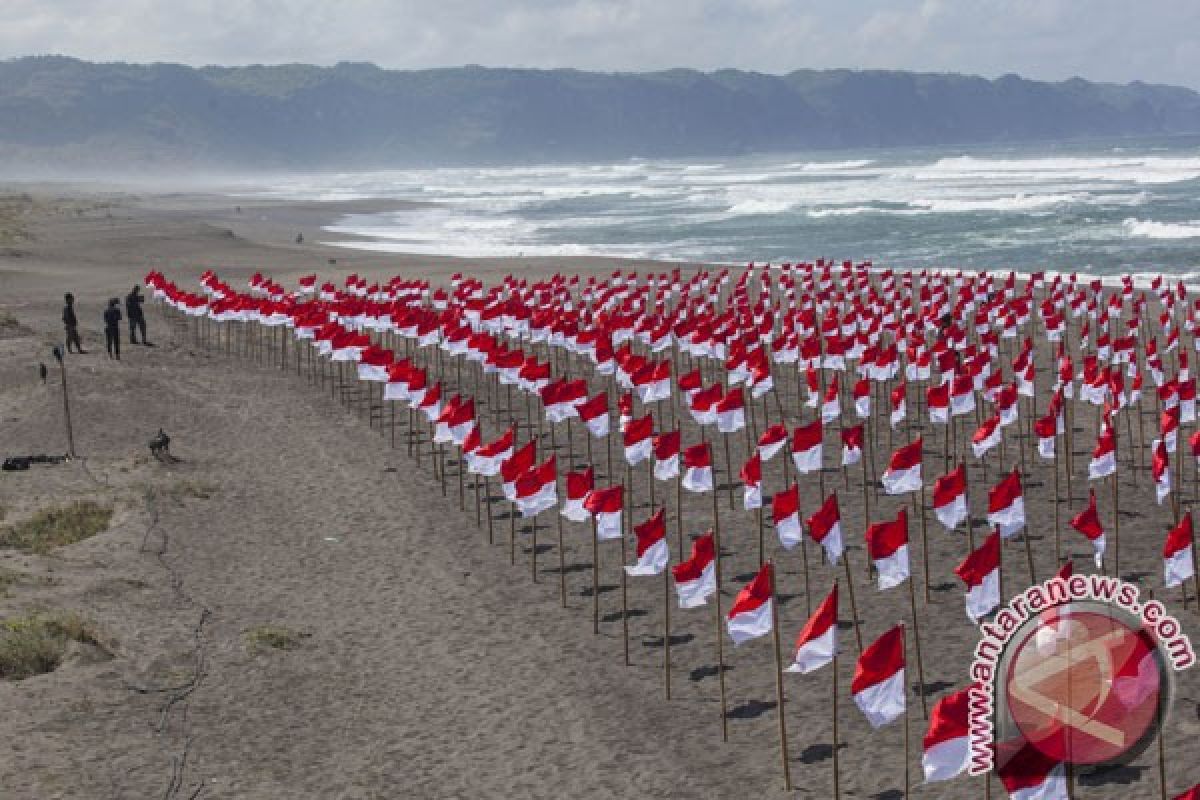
533 548
667 631
717 620
595 578
907 759
562 563
779 694
487 502
912 599
1116 527
924 539
837 780
853 602
625 521
1057 500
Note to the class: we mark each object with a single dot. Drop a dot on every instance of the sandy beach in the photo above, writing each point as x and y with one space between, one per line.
422 663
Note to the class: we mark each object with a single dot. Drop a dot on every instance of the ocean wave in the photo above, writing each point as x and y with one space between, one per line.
831 166
851 211
756 206
1139 170
1149 229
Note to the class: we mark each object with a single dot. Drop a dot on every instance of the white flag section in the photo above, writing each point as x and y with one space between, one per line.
653 561
883 702
752 614
652 551
696 578
573 509
947 744
817 642
698 479
608 525
1178 568
667 469
1178 565
1029 774
878 686
893 569
954 513
901 481
695 593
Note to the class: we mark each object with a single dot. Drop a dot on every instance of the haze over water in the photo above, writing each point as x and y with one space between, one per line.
1096 207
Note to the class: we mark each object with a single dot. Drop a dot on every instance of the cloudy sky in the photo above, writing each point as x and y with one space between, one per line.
1111 40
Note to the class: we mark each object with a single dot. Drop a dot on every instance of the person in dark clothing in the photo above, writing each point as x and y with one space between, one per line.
71 323
137 320
112 328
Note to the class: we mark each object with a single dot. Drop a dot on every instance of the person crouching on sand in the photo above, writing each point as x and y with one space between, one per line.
112 328
71 323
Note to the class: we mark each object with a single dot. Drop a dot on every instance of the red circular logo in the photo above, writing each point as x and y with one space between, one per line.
1083 686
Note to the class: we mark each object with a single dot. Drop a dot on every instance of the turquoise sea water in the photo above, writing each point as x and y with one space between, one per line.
1099 207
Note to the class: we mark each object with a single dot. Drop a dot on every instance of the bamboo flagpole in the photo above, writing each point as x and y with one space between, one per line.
779 694
837 788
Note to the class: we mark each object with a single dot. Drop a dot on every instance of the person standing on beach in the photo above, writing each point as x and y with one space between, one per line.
112 328
137 320
71 323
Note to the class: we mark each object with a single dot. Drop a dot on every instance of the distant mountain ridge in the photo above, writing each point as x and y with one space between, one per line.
61 111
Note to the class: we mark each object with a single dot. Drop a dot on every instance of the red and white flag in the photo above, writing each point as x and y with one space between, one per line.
950 498
703 403
1087 522
817 643
862 398
1006 505
696 578
785 513
666 456
605 506
1029 774
697 464
852 445
986 436
1046 429
731 411
887 545
772 441
806 447
1191 794
751 475
1177 553
1104 456
1169 427
947 751
652 550
878 686
937 399
579 486
831 405
515 466
486 459
752 612
1160 470
537 489
594 413
980 571
638 439
903 473
455 421
899 405
825 528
